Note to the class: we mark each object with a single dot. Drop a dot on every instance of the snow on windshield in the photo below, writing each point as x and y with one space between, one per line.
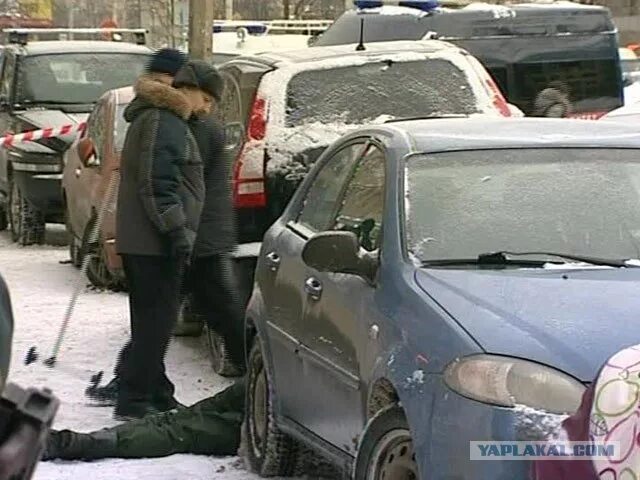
525 200
318 106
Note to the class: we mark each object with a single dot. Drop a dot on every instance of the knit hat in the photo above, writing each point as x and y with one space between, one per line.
201 75
166 60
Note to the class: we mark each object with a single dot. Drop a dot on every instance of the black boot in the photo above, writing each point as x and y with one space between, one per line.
68 445
107 395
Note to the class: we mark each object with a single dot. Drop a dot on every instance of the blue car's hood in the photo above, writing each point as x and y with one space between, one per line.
573 323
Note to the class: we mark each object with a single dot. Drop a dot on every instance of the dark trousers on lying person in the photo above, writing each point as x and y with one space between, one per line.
209 427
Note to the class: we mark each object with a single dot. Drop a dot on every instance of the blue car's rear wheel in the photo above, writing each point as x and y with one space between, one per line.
386 451
269 452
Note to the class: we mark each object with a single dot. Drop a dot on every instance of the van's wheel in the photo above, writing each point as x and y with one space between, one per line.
188 324
386 450
97 271
27 222
268 452
220 360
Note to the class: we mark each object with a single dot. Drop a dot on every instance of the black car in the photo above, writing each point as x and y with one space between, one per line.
48 84
525 47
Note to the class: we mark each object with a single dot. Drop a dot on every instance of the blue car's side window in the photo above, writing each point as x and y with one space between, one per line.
362 206
321 200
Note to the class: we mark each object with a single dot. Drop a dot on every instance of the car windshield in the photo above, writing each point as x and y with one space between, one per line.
76 78
121 127
358 93
574 201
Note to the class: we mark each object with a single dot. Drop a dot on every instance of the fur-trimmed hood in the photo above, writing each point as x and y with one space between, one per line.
153 93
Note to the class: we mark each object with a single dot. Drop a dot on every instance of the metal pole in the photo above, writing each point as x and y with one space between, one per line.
201 29
228 4
173 23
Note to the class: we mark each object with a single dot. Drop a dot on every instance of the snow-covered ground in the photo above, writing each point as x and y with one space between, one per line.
41 286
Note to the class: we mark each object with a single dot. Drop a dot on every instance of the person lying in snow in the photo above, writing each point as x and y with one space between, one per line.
609 412
209 427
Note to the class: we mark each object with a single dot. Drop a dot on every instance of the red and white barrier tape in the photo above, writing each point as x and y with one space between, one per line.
12 139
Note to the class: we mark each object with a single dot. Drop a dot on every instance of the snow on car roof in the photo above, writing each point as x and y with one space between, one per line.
494 132
624 113
317 54
393 10
86 46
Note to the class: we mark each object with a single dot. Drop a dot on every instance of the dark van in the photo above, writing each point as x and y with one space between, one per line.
524 46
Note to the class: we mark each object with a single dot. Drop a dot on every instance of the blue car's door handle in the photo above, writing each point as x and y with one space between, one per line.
313 287
273 260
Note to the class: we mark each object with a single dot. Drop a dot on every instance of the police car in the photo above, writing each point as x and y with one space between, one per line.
234 38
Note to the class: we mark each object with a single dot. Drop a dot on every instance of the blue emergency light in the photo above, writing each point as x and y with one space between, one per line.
253 28
424 5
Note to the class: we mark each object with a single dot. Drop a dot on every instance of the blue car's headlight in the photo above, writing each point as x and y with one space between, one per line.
508 382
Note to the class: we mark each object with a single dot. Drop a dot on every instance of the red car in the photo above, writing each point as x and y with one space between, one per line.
91 171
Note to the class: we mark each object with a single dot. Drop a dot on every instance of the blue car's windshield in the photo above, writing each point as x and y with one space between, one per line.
576 201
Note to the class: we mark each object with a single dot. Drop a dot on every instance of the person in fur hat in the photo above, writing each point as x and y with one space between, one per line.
160 201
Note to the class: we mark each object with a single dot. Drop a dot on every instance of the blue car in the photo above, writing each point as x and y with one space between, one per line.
440 281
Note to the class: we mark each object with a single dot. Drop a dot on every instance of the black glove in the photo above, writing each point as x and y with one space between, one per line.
182 241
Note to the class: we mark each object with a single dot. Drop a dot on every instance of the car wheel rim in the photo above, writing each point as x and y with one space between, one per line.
393 458
15 210
258 419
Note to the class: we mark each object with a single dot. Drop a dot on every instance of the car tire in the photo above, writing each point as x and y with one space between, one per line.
268 452
27 222
386 448
220 360
97 271
188 324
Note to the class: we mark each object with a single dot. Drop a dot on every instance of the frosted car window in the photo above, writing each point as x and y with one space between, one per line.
358 93
573 201
77 78
321 202
362 207
96 126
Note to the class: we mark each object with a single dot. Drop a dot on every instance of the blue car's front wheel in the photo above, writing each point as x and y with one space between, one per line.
386 449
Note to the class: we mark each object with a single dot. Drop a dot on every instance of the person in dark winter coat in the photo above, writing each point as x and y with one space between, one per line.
553 101
211 280
159 206
159 76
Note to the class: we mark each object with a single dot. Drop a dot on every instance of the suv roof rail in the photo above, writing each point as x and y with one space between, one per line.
21 36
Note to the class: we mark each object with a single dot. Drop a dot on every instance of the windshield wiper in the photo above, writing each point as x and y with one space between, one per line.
452 262
503 258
